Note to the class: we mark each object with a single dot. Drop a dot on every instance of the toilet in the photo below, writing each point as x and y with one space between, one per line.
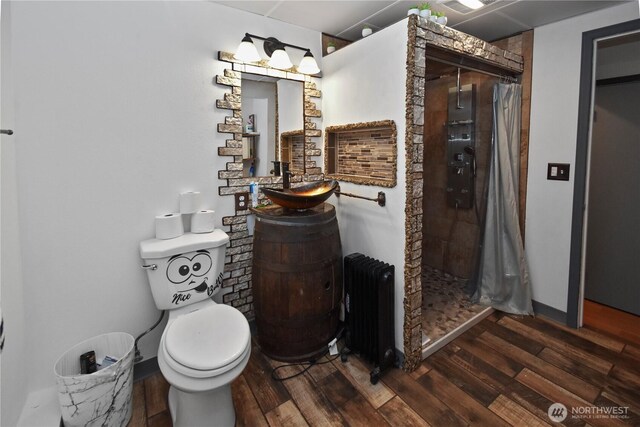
205 345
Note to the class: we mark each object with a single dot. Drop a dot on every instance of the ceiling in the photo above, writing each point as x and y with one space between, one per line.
498 19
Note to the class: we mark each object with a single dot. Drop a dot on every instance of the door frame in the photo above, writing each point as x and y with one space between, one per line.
583 148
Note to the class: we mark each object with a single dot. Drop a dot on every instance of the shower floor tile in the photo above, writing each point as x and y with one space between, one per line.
445 303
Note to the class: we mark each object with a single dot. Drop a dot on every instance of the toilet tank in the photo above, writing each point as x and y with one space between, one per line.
186 269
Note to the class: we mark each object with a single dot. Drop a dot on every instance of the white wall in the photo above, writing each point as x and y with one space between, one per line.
552 138
12 389
365 82
115 116
290 114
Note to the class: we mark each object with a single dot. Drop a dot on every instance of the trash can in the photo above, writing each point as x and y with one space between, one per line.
102 398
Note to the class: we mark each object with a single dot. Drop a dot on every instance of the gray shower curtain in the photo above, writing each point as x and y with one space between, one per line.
503 278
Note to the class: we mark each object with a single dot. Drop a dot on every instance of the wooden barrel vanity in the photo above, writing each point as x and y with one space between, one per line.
297 280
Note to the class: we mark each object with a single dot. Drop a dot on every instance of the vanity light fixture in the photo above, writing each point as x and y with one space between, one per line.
275 50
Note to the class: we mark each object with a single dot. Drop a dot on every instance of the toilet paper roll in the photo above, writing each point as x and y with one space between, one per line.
203 221
169 226
189 202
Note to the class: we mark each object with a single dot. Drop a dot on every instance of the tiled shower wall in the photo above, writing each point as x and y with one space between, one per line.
438 215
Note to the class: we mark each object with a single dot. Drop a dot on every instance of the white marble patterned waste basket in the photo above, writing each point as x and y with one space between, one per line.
102 398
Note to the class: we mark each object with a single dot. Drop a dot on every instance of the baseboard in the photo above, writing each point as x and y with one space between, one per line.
145 369
399 359
544 310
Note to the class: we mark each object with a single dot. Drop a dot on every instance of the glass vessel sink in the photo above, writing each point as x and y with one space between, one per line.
302 197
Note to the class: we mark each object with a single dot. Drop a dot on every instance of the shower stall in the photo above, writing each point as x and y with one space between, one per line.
459 135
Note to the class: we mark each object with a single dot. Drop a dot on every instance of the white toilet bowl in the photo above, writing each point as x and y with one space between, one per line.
200 354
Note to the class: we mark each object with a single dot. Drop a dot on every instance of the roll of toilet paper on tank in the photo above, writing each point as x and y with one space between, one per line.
189 202
169 226
203 221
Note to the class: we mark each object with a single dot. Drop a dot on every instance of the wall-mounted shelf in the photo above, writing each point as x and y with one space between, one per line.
249 150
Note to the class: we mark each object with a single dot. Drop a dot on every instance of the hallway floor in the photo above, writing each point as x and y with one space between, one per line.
506 370
445 303
613 321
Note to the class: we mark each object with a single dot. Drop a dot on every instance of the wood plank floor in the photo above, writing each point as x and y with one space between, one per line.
616 322
507 370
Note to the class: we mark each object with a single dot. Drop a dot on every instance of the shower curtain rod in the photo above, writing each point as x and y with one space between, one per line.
477 70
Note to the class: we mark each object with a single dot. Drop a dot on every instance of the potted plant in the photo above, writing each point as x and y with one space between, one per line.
366 31
441 18
425 10
433 17
331 47
413 10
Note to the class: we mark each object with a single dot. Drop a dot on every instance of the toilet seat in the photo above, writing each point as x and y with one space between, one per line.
207 342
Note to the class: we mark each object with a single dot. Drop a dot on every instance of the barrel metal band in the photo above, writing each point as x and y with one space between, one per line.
293 224
290 268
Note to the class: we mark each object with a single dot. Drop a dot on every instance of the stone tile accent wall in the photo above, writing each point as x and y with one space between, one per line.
239 254
422 34
413 204
366 153
456 41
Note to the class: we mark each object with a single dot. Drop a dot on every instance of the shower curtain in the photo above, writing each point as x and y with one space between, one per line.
503 278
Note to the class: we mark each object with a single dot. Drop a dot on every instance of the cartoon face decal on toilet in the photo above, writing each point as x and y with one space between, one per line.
191 273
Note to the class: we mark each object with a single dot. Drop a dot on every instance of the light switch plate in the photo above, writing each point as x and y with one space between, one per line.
558 171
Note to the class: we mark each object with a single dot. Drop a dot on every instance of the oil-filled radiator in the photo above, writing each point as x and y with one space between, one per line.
369 311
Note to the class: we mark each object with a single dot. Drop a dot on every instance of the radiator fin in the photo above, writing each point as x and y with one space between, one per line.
369 310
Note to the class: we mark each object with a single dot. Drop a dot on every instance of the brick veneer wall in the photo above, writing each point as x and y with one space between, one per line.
295 140
423 34
239 253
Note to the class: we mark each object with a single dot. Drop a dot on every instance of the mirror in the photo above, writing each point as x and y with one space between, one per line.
272 124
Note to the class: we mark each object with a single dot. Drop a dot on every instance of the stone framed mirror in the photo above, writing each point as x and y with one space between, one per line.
284 111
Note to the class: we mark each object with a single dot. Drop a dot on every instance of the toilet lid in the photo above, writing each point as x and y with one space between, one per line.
209 338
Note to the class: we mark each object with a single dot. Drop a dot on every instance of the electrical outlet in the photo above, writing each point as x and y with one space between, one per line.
558 171
242 201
